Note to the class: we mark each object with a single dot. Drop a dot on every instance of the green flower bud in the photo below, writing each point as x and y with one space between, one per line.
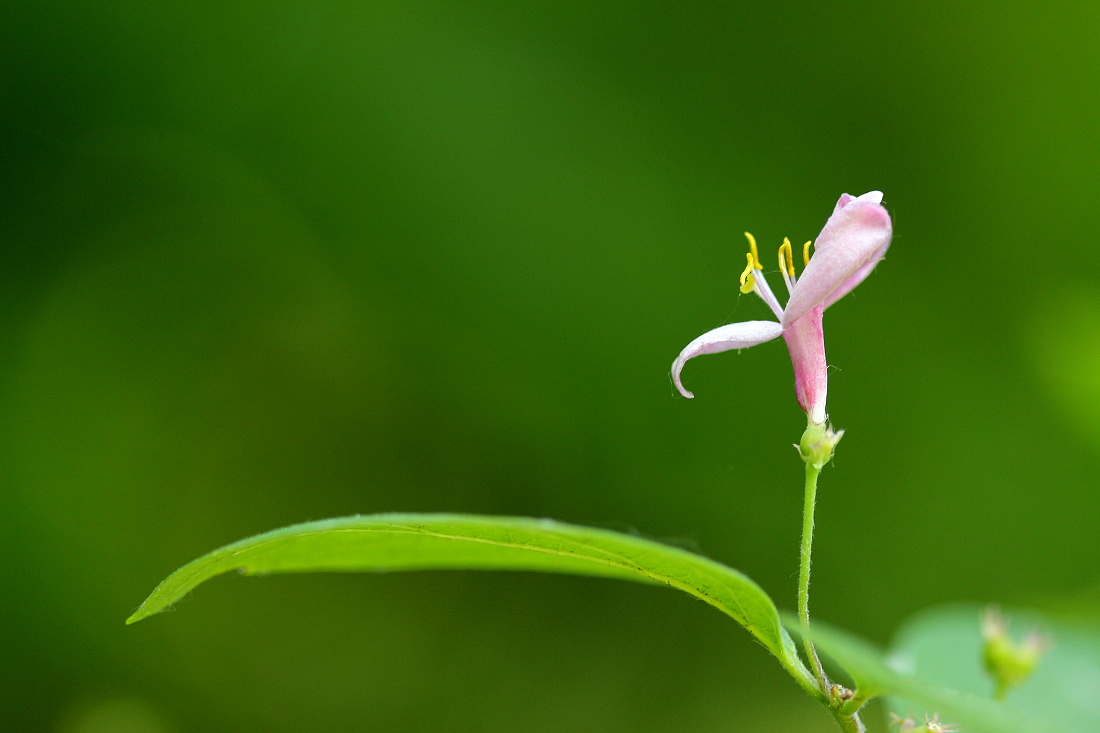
1007 661
931 725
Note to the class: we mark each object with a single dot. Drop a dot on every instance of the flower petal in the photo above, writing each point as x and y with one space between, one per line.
733 336
847 198
856 235
858 276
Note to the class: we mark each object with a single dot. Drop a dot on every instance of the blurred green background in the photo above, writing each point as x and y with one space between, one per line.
270 262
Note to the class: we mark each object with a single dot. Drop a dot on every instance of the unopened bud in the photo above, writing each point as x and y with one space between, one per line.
1007 661
841 693
905 725
931 725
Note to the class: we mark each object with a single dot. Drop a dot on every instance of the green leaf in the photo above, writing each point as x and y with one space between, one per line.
392 542
874 675
944 646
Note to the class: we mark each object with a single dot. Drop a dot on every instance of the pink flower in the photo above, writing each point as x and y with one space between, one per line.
852 242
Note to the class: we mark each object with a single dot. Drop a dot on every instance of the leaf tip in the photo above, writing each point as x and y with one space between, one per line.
139 614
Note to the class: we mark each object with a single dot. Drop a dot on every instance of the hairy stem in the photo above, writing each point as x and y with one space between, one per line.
849 723
812 472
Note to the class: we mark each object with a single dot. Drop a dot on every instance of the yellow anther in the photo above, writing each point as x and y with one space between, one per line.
748 282
806 253
755 254
786 257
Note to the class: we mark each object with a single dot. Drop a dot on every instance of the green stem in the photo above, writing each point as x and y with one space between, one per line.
849 723
812 472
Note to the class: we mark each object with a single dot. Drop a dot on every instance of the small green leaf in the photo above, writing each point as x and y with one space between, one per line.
392 542
875 675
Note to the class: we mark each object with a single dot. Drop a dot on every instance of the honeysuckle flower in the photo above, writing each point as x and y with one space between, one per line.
852 242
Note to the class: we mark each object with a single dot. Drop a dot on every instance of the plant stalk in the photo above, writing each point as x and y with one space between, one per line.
812 472
849 723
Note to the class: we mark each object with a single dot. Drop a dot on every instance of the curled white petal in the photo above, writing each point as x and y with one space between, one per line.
853 240
732 336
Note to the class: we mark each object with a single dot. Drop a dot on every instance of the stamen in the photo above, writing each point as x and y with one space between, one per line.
755 254
786 264
806 253
762 289
748 282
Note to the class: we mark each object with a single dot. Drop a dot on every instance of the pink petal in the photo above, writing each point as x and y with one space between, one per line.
732 336
806 342
854 238
847 198
857 277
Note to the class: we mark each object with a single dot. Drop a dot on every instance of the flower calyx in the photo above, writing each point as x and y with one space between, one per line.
818 443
